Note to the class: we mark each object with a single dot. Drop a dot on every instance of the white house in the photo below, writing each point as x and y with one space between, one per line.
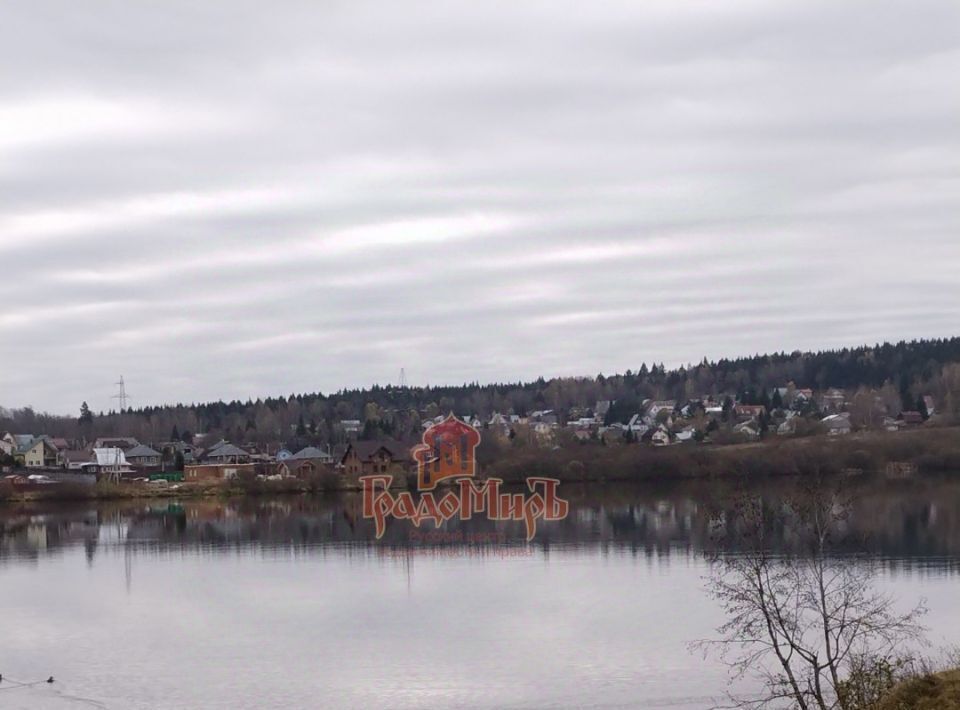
661 437
654 408
111 462
748 429
837 424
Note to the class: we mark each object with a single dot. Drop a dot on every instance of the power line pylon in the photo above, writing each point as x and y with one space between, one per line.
121 394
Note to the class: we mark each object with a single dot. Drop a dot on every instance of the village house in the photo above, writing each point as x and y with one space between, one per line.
637 426
7 444
714 411
18 444
749 430
258 456
891 424
661 437
110 463
788 427
187 451
497 419
749 411
143 457
473 421
312 453
544 423
365 458
833 399
226 453
655 407
427 422
216 471
911 417
30 450
546 416
543 429
502 424
59 443
837 424
305 467
115 442
351 426
75 459
40 453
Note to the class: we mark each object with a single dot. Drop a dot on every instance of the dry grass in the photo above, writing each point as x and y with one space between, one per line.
934 691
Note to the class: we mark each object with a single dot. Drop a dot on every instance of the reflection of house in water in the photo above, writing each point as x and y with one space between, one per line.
37 536
587 515
659 524
25 535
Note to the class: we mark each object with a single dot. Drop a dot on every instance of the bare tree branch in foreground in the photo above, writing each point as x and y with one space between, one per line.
804 621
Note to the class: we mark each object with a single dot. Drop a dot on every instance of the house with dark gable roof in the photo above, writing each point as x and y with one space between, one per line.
115 442
143 456
312 452
304 467
366 458
226 453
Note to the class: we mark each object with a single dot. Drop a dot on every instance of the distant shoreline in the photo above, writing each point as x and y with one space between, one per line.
892 455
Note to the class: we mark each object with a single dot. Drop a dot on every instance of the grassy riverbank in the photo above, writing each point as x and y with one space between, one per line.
927 450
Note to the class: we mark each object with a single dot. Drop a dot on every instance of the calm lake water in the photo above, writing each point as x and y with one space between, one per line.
290 602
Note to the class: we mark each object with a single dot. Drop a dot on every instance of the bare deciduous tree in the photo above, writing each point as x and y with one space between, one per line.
806 619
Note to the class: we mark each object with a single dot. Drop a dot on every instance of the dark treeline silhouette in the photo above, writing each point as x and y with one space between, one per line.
910 367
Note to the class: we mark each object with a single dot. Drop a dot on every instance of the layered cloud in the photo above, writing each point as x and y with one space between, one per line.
239 200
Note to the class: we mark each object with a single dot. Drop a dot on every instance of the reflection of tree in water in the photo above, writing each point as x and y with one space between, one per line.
896 520
90 550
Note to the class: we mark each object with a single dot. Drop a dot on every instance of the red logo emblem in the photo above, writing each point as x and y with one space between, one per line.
448 450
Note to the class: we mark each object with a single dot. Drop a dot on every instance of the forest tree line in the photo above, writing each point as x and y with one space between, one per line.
908 369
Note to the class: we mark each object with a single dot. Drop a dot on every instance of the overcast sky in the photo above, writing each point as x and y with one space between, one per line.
241 199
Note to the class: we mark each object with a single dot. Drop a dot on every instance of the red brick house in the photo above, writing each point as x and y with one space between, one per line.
304 468
365 458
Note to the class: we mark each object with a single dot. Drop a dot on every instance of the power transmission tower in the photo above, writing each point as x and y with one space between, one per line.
121 394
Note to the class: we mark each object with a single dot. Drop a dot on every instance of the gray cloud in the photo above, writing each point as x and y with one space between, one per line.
238 200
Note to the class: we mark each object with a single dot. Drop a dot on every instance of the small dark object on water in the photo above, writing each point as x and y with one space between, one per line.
50 679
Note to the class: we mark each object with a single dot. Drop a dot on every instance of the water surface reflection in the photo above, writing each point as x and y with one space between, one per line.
290 602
